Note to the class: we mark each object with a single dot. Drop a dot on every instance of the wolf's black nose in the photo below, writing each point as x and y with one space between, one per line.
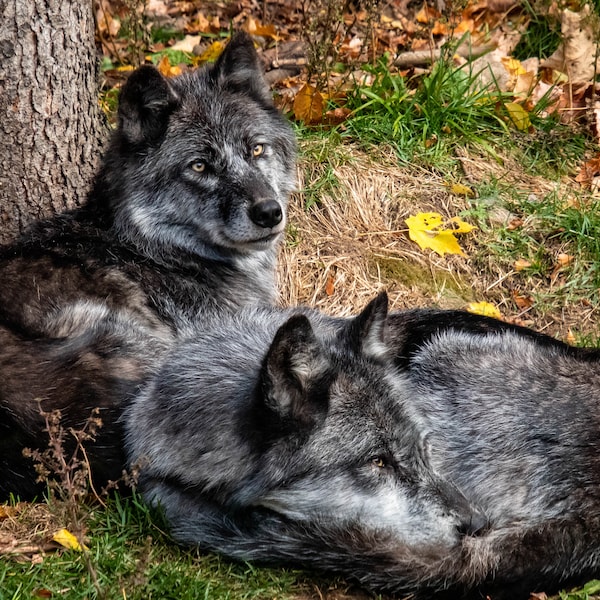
266 213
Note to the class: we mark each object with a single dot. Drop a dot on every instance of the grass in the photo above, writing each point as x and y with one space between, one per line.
134 559
437 122
424 120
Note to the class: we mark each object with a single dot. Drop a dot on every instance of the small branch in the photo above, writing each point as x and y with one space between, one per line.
427 57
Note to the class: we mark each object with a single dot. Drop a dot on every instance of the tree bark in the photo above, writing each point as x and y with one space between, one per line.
51 126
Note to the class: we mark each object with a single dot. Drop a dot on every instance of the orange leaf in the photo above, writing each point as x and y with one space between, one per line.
337 115
308 105
166 69
521 263
564 259
254 27
426 14
588 171
330 286
521 300
439 28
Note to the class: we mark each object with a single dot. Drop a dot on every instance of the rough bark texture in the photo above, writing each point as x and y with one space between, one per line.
51 128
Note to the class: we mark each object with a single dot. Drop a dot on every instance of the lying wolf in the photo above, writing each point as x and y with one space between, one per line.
432 453
274 422
184 218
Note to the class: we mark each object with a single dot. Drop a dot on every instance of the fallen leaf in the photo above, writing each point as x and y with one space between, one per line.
576 55
166 69
514 224
588 171
211 53
518 115
330 286
337 115
7 511
570 339
564 259
42 593
428 230
485 309
65 538
521 263
458 189
426 14
187 44
521 300
254 27
308 105
513 66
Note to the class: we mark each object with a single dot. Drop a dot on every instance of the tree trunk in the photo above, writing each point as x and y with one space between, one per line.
51 126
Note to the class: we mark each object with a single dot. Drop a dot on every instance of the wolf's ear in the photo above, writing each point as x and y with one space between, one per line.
295 374
366 332
145 103
239 69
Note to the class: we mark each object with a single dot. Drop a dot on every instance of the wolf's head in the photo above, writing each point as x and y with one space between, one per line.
201 163
343 447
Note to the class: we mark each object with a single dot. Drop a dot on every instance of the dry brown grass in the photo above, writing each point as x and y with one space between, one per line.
353 244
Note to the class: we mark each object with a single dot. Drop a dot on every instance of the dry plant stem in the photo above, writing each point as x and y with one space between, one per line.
73 476
426 57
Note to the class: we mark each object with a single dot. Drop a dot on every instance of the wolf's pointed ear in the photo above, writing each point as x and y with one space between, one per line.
145 103
238 68
295 374
366 332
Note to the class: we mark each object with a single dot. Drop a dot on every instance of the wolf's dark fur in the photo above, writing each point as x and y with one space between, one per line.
183 219
272 460
271 432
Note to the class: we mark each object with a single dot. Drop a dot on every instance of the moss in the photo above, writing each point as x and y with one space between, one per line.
448 288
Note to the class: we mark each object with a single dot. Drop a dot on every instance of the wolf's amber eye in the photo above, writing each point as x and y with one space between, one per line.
198 166
258 150
379 462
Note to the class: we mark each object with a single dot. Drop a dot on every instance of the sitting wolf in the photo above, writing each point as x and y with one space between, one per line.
432 453
183 219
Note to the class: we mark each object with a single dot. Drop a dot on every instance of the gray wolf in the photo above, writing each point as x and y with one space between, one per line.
184 218
270 431
433 453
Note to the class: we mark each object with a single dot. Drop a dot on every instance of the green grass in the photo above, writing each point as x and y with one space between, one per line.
542 36
424 119
133 559
552 225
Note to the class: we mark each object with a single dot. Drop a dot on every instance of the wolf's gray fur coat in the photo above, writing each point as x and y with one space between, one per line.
183 219
433 453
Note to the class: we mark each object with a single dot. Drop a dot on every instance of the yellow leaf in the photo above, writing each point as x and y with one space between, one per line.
429 231
485 309
518 115
513 66
459 226
211 53
65 538
308 105
458 189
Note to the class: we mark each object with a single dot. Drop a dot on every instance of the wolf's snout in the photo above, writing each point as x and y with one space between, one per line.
266 214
